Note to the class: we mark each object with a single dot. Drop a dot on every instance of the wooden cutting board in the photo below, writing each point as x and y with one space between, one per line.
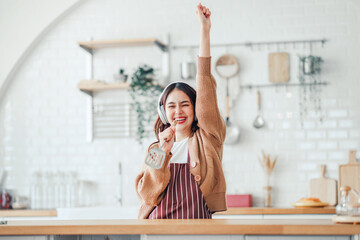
324 188
279 67
349 175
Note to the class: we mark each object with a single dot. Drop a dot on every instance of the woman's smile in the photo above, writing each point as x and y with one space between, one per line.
180 120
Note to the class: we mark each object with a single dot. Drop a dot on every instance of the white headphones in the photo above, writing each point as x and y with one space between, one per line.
161 108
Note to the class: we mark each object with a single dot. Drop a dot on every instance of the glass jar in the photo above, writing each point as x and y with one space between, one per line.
308 65
344 206
36 191
267 194
356 207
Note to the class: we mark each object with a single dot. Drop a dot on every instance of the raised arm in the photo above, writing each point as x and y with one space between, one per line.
203 15
207 110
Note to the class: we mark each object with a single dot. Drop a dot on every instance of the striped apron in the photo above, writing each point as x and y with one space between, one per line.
182 197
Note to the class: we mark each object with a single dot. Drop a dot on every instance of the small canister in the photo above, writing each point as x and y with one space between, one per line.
308 65
5 200
187 70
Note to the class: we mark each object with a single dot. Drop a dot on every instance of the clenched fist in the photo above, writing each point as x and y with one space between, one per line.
167 137
203 14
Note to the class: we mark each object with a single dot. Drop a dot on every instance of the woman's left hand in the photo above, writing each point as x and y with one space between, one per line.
203 14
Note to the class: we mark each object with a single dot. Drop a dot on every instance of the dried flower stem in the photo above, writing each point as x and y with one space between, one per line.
267 164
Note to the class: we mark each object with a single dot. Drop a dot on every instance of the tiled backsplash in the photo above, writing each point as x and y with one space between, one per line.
43 114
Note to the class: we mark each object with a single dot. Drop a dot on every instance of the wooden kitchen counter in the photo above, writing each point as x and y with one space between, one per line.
175 227
28 213
230 211
255 210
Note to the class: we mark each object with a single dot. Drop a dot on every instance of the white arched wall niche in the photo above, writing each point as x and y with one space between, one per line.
22 25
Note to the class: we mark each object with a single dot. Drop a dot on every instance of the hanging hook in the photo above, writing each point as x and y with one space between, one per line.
189 51
277 88
250 45
322 43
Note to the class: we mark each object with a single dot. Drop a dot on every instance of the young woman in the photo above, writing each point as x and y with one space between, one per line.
191 183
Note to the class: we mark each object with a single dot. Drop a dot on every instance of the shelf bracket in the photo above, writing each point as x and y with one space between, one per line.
89 50
87 92
162 46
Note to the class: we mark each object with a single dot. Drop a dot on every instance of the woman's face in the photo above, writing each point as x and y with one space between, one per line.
179 107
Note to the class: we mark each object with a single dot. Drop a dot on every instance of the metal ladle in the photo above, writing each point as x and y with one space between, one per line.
259 122
227 66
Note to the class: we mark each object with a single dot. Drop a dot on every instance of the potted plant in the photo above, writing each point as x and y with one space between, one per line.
144 91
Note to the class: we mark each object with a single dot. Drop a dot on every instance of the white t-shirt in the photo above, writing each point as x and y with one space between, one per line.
180 151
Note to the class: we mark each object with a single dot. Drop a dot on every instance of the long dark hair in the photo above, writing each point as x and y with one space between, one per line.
188 90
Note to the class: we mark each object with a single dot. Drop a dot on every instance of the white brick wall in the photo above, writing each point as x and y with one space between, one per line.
43 114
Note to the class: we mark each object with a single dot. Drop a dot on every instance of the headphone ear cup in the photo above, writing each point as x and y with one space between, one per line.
162 114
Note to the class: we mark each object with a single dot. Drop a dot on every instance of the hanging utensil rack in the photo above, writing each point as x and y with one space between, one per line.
252 45
259 45
276 85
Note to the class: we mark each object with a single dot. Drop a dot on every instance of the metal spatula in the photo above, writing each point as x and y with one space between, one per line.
156 156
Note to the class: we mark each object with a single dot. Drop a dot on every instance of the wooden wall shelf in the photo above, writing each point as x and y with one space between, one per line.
92 45
95 85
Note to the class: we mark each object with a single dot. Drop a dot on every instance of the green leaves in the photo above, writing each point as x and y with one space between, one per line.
144 91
